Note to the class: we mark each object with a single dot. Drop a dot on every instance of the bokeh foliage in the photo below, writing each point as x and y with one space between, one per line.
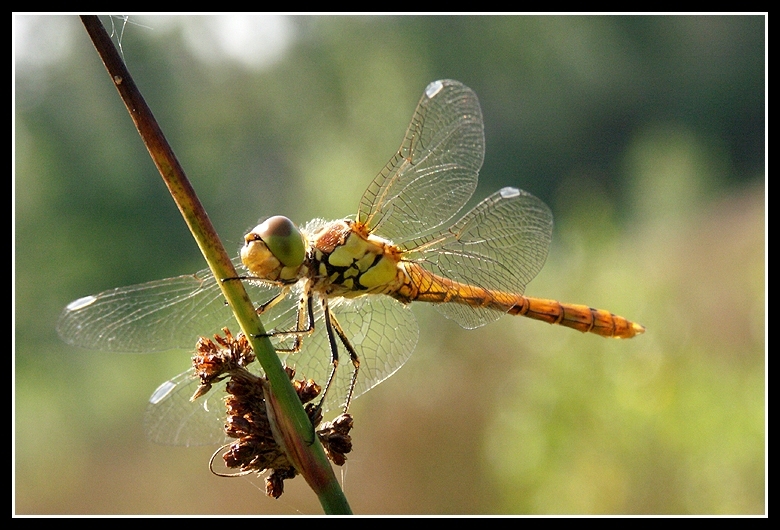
644 134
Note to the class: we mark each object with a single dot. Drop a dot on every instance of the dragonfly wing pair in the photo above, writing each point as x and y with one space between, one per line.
173 313
475 269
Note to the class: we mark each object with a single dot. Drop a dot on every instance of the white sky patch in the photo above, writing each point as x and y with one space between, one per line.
255 41
40 41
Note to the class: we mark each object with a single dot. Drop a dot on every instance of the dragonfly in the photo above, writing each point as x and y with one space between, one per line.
336 295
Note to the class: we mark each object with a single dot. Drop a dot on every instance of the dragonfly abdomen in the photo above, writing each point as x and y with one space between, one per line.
418 284
576 316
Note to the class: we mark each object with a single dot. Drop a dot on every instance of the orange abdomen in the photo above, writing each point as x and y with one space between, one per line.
418 284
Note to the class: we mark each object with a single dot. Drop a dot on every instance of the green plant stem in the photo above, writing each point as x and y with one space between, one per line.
298 438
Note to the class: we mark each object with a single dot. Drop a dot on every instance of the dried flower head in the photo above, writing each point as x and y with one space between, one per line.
335 438
213 362
255 449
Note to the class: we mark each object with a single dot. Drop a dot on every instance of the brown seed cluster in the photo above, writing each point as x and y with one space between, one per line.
255 448
216 359
335 438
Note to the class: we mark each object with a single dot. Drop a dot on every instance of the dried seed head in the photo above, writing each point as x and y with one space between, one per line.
335 438
255 450
215 359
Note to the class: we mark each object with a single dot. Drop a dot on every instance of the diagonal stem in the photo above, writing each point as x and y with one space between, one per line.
303 447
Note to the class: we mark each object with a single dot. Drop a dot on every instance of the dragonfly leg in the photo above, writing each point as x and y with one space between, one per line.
304 325
353 356
332 325
262 308
300 330
334 349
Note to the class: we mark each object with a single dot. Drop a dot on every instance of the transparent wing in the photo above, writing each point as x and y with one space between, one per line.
500 245
154 316
169 314
435 170
172 419
383 332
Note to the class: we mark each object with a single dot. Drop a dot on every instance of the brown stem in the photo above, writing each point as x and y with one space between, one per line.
315 467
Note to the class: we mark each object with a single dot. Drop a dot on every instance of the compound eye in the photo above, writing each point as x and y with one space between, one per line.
283 239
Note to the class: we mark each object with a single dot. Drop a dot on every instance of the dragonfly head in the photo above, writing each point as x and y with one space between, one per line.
274 249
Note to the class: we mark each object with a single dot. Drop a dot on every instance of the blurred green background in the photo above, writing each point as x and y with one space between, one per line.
644 134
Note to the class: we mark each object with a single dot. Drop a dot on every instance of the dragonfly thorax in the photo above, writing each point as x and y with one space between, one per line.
347 261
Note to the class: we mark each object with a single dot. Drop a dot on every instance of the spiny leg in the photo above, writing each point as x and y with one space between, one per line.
265 306
305 312
262 308
353 356
331 325
334 349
